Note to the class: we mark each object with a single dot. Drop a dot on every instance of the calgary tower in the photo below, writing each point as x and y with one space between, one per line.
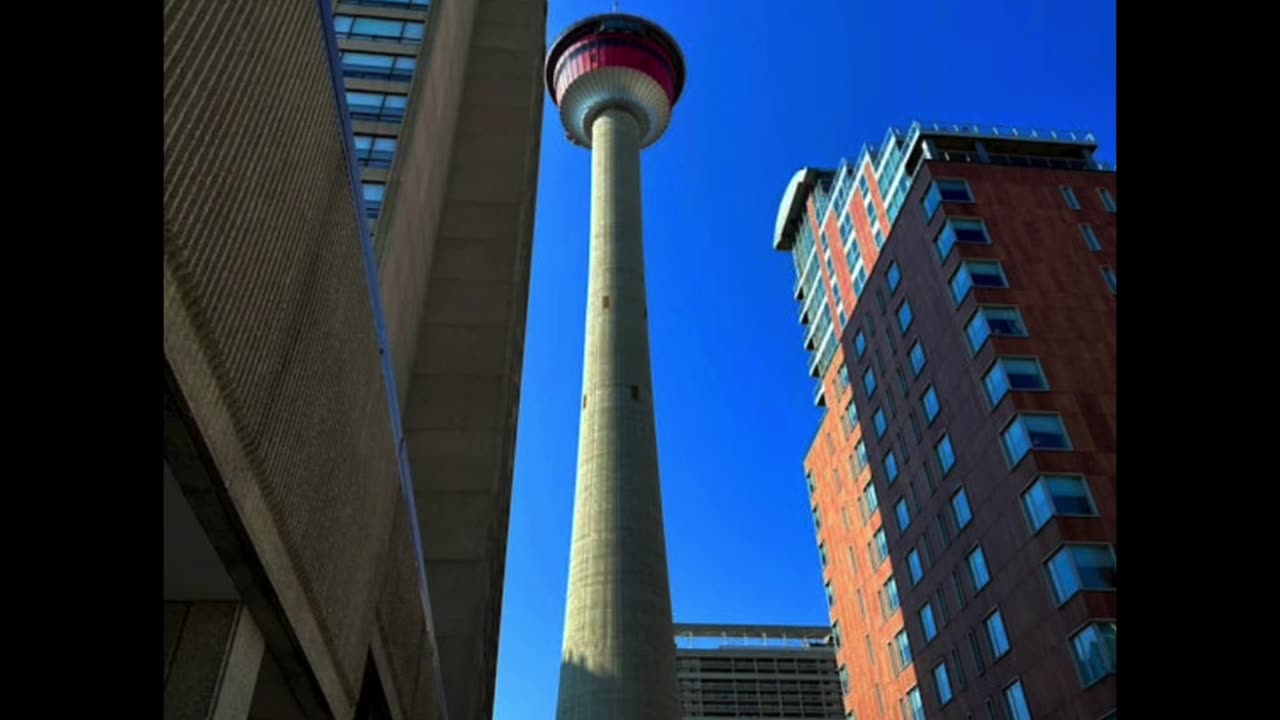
616 78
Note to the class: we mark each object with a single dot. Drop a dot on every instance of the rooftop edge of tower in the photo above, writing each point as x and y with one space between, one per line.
608 23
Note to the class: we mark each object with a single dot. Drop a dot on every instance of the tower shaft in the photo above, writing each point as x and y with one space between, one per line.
619 656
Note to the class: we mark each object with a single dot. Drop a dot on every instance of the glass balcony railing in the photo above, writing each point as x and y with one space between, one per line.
1007 131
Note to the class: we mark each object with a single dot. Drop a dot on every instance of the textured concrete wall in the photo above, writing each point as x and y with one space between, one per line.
269 331
619 658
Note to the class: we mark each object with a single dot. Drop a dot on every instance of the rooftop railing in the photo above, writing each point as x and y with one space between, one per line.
1007 131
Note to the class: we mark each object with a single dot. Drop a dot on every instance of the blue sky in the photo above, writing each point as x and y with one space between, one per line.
771 88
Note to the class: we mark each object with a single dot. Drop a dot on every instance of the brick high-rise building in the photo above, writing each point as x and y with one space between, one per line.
348 208
959 285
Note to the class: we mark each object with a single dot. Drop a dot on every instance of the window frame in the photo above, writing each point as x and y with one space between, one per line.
1063 547
996 653
1069 197
1017 418
998 363
1037 479
1108 652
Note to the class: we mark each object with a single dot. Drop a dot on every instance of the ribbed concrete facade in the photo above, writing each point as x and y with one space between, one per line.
618 658
289 443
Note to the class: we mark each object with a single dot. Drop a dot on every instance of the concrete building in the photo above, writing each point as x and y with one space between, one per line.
964 488
757 671
348 207
616 79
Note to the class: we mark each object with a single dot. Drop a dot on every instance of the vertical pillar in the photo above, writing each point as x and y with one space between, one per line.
928 149
619 648
213 651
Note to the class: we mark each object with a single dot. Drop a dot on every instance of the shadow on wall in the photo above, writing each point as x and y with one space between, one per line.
573 678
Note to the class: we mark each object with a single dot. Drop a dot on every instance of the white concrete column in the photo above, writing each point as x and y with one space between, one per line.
213 651
619 648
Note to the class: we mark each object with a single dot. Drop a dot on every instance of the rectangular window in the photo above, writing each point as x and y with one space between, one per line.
1109 275
1061 495
1070 196
915 703
374 151
1016 700
915 566
1094 649
850 417
844 680
976 273
879 548
927 623
891 594
903 385
893 277
945 190
978 569
903 513
377 66
960 506
860 344
915 427
958 586
1108 202
1033 431
831 597
376 107
991 320
946 456
869 382
959 666
918 359
373 193
862 603
997 635
879 236
929 401
905 316
861 451
880 423
822 554
1013 373
902 650
891 466
869 496
944 531
971 231
943 682
846 227
1081 567
376 29
977 654
1090 238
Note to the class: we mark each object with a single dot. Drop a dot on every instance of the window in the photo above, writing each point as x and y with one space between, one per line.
946 456
377 66
844 680
903 385
915 703
976 273
918 359
1095 651
1050 495
880 423
1081 567
905 316
944 190
915 566
861 451
929 401
915 428
373 151
927 622
1070 196
903 513
875 230
978 569
376 107
850 416
1090 238
1013 373
880 547
902 650
1028 431
943 682
373 193
977 654
1109 275
891 466
1017 702
893 277
891 595
860 344
997 635
831 597
1107 201
822 554
971 231
960 506
869 381
376 29
991 320
869 495
846 227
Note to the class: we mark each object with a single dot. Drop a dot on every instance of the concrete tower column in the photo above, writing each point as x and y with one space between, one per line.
213 651
619 657
616 78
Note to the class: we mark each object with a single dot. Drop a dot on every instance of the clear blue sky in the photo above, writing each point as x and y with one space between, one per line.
771 88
